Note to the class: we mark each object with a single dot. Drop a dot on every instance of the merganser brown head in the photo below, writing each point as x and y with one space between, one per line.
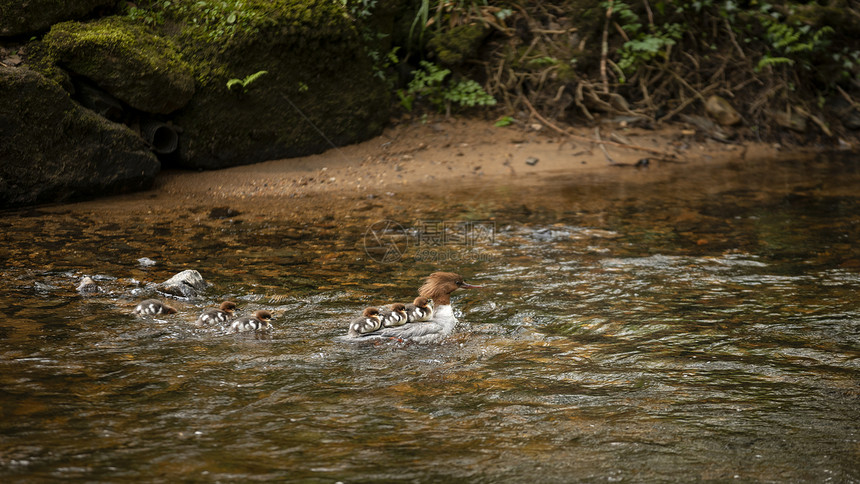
420 302
371 313
228 306
440 285
398 307
263 315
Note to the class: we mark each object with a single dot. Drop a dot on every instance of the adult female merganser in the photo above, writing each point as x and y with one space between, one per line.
437 287
214 316
393 315
258 322
421 309
151 307
368 321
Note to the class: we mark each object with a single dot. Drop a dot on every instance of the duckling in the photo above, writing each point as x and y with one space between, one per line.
258 322
421 309
437 287
393 315
368 322
151 307
213 315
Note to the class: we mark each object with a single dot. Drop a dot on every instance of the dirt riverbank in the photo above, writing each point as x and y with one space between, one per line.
415 160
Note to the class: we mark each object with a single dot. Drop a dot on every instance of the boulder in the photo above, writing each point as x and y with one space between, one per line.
188 283
320 89
53 150
125 60
722 111
790 120
26 17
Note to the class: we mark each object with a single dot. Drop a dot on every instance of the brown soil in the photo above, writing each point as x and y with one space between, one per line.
424 158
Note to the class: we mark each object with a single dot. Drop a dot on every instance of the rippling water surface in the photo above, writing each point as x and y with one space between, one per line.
704 325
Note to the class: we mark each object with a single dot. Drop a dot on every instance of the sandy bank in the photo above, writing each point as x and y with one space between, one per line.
426 159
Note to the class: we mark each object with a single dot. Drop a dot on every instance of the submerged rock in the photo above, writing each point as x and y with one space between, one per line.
53 150
126 61
188 283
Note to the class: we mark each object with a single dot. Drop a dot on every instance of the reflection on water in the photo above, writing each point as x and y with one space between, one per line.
704 327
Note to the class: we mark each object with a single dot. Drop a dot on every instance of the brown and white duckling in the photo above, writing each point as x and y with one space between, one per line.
151 307
258 322
215 316
421 309
393 315
368 322
88 286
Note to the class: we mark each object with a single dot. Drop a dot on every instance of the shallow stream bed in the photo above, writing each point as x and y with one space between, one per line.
701 325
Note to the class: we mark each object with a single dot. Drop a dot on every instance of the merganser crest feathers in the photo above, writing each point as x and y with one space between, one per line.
439 287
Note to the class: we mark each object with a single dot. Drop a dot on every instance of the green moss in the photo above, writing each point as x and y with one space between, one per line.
455 46
86 44
299 43
125 59
42 59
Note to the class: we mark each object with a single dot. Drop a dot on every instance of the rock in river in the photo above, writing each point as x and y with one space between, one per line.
188 283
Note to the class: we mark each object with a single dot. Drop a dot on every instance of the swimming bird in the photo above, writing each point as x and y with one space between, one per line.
437 287
369 321
216 315
421 309
393 315
151 307
258 322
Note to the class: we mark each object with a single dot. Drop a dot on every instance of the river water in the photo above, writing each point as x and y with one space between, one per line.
700 325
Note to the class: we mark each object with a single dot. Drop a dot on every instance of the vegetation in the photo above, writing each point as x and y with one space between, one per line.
236 84
433 83
655 59
570 61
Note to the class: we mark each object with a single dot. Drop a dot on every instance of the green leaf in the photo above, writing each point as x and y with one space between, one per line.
232 83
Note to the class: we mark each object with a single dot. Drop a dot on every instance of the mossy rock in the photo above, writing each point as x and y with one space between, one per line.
320 89
126 60
19 17
458 44
53 150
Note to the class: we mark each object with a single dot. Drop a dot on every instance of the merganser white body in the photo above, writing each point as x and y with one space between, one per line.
216 316
393 315
258 322
437 287
368 322
419 310
152 307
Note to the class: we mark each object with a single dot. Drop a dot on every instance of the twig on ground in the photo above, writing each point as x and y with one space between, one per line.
567 133
602 147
